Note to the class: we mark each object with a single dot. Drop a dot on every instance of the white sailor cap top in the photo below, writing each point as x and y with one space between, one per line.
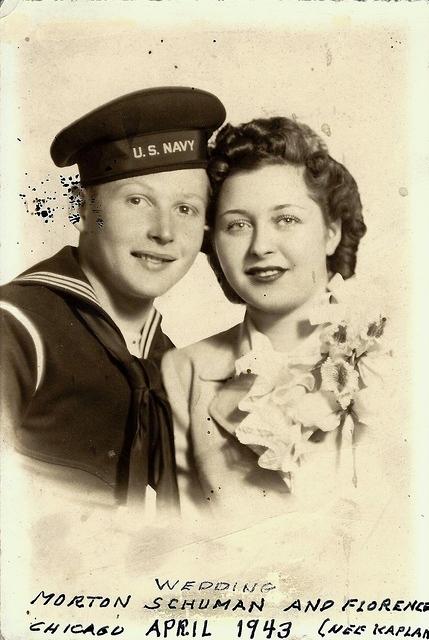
148 131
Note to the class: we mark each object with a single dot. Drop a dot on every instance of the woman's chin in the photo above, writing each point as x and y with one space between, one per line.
282 303
278 305
274 307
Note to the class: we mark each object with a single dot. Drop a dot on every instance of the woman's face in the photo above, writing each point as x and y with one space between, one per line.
271 238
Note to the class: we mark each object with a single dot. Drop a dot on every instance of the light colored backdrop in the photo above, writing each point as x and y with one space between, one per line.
347 78
355 72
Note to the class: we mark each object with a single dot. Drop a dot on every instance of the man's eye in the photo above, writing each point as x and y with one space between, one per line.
136 200
186 209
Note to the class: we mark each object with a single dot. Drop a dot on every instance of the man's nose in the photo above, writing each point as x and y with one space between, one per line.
161 227
262 241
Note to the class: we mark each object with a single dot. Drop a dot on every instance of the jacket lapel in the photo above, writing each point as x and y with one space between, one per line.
231 388
224 406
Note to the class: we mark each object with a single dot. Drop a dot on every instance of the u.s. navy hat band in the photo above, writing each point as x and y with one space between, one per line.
143 154
148 131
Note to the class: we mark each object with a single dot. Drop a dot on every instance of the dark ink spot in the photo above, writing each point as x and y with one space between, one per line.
74 217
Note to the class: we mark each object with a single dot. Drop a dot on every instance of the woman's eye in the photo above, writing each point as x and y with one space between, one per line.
287 220
238 225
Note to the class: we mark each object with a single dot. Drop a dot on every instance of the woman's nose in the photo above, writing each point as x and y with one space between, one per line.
262 242
161 227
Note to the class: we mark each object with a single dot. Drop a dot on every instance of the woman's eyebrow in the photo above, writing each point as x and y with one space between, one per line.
278 207
240 211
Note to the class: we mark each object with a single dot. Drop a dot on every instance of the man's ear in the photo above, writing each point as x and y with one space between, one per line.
76 207
207 240
333 236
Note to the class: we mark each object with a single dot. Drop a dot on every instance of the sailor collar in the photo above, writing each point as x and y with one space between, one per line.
62 272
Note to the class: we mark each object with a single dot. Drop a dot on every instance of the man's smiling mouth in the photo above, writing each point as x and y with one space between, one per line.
153 258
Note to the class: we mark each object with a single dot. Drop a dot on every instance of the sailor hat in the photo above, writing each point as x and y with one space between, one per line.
147 131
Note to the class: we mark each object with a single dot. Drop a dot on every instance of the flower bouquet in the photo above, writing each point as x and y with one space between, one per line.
294 399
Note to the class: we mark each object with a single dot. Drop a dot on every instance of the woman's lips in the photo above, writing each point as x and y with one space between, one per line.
265 274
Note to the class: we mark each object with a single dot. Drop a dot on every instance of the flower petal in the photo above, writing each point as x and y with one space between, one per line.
374 367
318 410
366 405
288 395
340 377
263 425
274 458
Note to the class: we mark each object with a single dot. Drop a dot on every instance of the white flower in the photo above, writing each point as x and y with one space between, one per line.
341 378
338 340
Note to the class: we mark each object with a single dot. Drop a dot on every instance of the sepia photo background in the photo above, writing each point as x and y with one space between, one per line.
357 74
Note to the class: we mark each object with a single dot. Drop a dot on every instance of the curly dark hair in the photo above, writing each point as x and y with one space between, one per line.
281 140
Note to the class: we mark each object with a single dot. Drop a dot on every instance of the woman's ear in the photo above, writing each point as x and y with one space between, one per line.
333 236
76 207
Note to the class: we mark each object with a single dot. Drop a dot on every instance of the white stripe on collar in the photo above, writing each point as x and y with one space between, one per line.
139 343
34 335
83 289
61 282
149 330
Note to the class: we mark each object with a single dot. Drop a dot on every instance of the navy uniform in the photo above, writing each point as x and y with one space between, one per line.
80 397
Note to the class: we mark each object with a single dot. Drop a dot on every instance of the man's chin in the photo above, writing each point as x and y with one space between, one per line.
149 293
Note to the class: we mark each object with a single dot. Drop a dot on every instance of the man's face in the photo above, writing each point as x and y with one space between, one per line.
141 235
